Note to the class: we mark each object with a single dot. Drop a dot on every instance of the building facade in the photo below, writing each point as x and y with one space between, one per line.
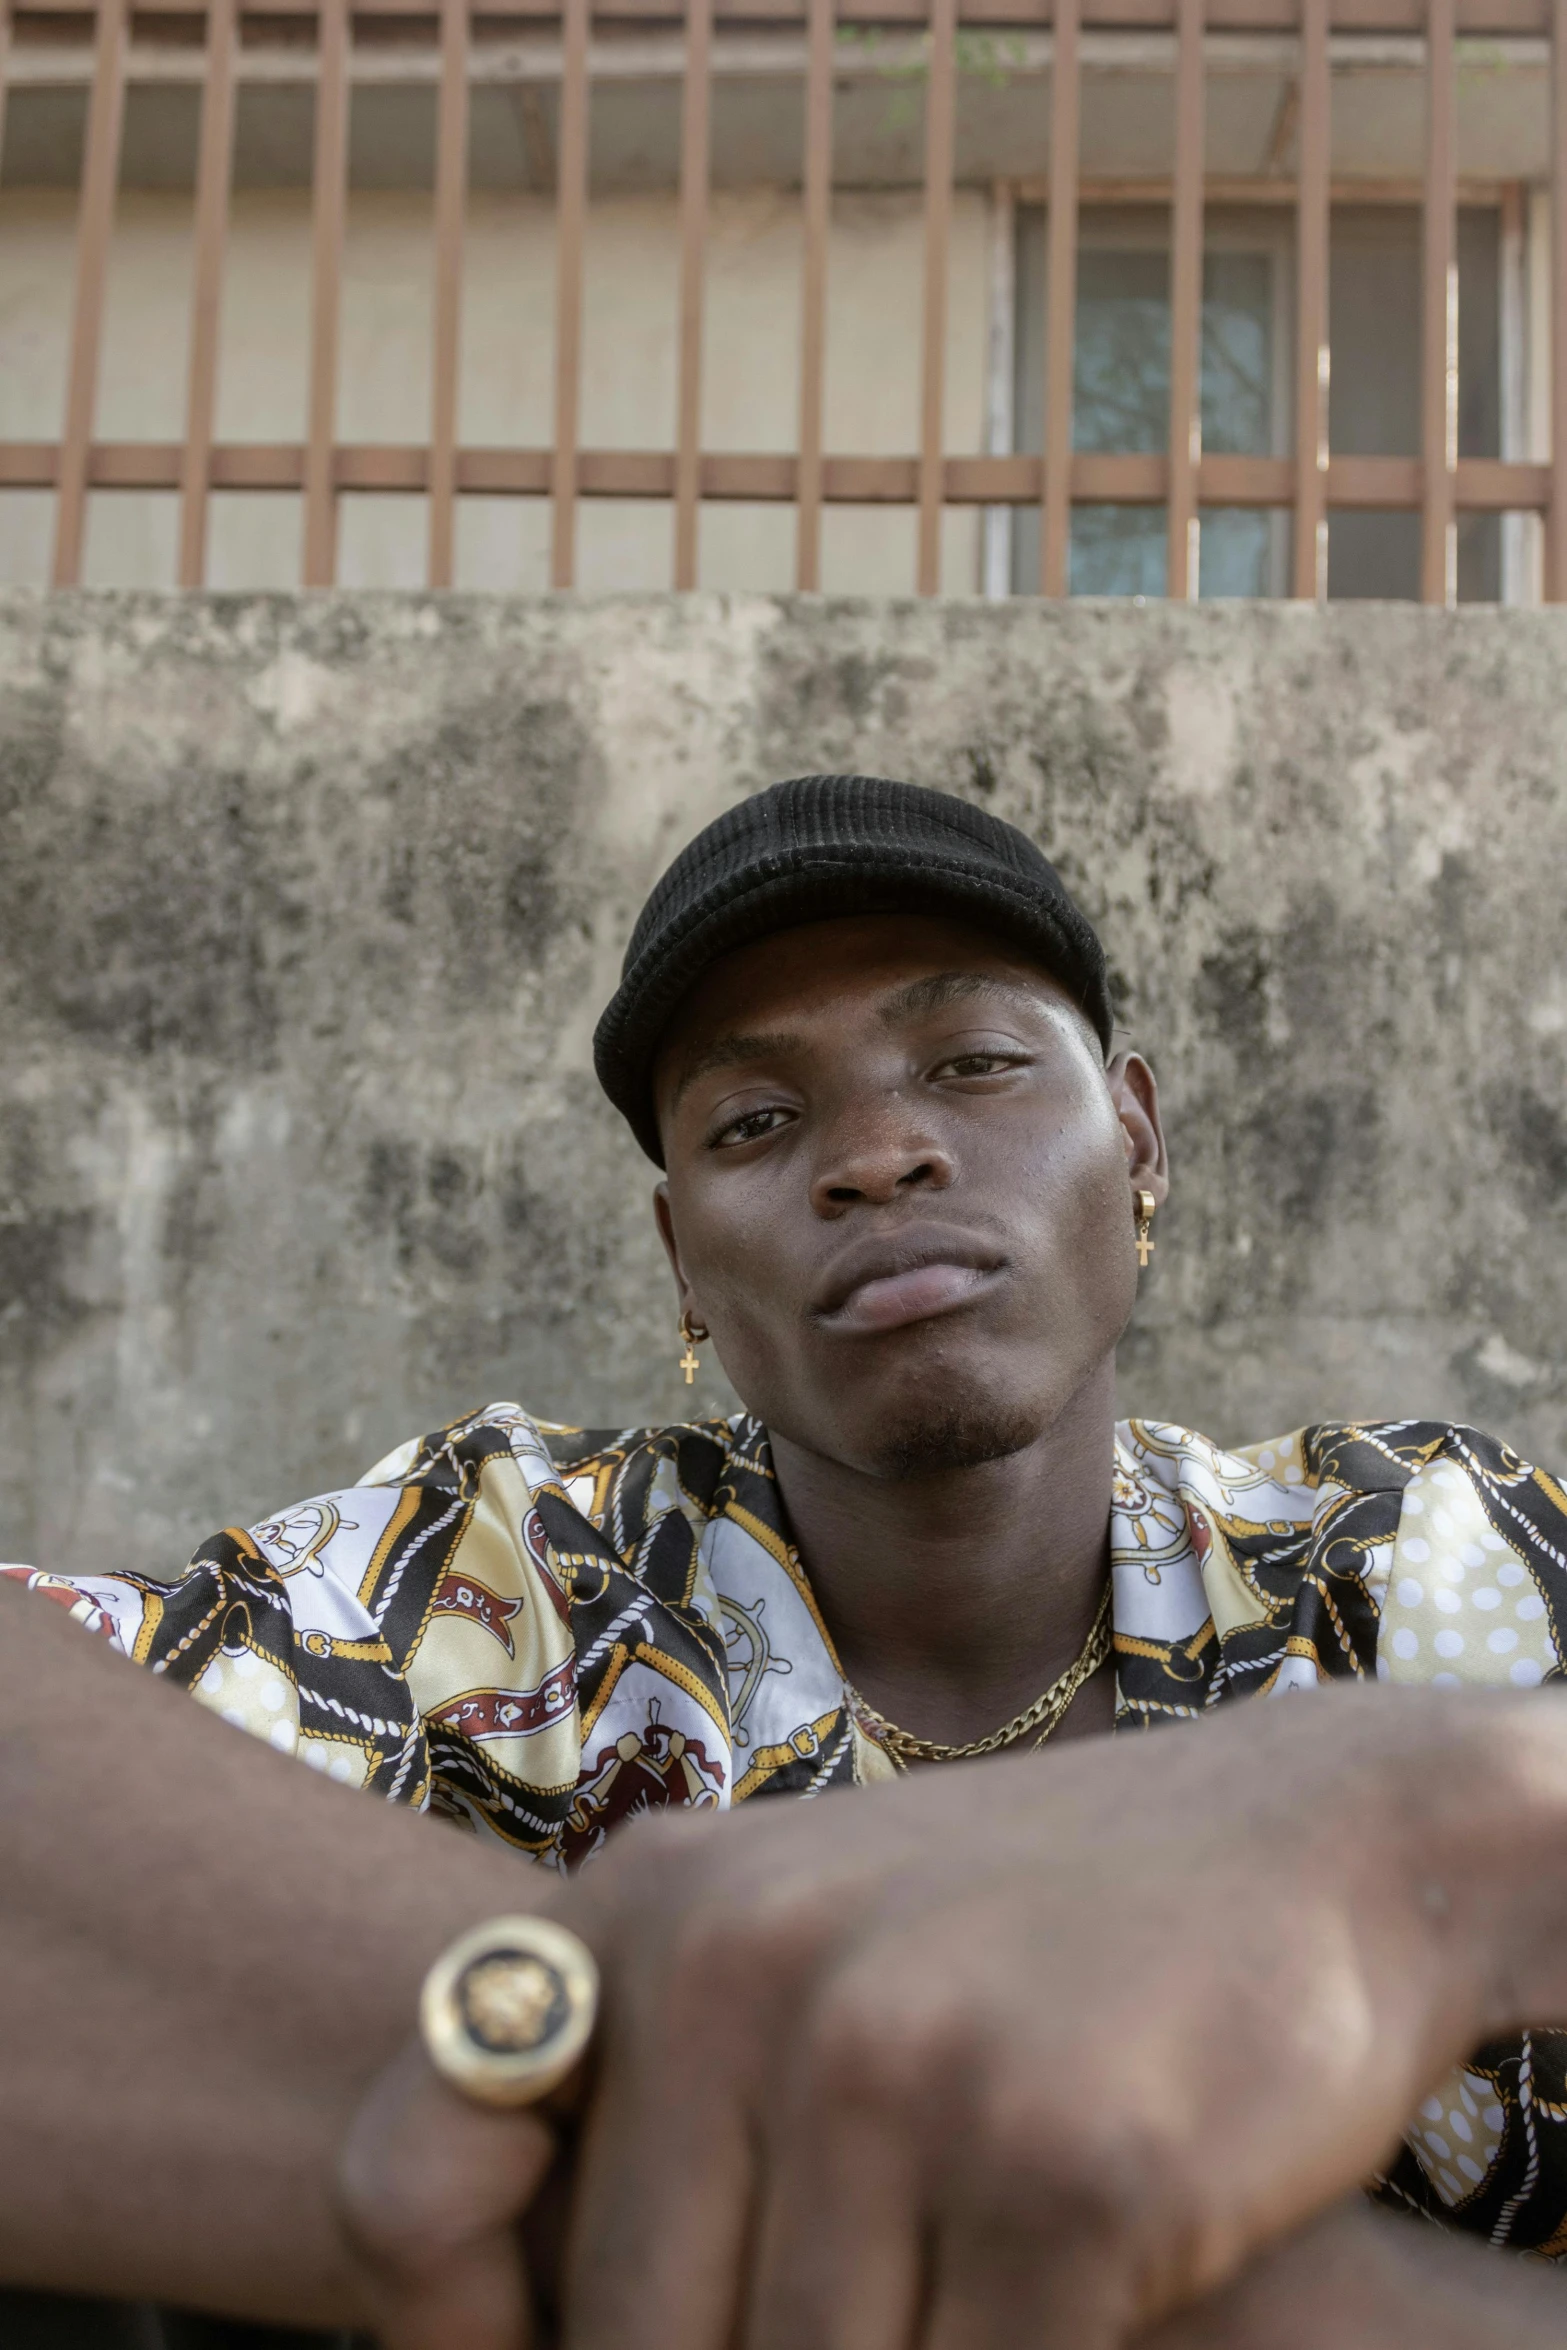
1105 297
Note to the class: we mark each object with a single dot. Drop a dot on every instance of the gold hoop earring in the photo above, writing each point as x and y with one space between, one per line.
693 1333
1144 1205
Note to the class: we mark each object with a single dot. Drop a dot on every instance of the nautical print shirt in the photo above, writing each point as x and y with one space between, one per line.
542 1630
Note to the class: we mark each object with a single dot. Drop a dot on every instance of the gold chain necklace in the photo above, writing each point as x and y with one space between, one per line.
1042 1717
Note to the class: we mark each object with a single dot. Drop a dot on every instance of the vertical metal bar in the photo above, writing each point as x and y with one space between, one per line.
694 128
1520 532
995 550
1055 516
940 102
5 52
1312 362
329 199
571 204
813 290
451 192
1439 320
1556 534
213 172
95 225
1186 304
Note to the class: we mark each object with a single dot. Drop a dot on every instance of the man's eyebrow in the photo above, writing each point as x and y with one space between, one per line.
733 1052
950 987
912 1002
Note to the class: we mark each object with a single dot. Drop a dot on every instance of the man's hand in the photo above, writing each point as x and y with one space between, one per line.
1039 2051
1359 2279
442 2199
1036 2051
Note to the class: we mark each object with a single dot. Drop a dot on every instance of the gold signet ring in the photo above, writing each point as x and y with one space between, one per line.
508 2010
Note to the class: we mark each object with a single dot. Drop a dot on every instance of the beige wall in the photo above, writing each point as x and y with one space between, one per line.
750 390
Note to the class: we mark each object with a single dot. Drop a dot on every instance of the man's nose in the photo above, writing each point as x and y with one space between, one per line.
878 1153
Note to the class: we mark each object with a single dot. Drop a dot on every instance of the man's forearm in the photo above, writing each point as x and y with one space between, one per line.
206 1953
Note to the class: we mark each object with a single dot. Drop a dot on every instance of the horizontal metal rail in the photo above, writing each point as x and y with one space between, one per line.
271 57
1482 19
1481 485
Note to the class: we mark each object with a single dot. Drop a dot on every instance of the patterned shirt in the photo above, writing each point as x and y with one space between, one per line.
543 1630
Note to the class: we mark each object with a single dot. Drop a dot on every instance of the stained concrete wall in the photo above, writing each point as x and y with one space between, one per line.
306 908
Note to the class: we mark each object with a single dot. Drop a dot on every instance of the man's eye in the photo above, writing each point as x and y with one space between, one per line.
747 1128
976 1064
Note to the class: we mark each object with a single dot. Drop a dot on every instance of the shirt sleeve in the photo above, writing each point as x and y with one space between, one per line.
269 1630
409 1635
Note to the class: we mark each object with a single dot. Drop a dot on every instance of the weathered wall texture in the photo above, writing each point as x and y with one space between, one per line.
306 908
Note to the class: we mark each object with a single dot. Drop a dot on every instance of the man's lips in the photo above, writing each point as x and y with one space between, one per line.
908 1297
883 1284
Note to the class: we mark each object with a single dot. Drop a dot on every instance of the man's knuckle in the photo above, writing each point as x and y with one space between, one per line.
858 2048
1094 2184
707 1954
1119 2185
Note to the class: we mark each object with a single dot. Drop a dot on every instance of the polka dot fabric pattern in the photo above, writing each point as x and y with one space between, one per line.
541 1631
1470 1595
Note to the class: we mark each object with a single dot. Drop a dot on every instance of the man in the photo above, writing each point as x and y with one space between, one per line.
908 1191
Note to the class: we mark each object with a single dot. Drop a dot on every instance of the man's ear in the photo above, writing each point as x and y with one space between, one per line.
1135 1093
664 1218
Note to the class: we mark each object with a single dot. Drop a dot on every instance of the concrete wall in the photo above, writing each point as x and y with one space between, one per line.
307 906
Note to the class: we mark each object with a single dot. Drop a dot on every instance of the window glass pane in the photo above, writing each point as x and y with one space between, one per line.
1237 554
1121 370
1373 554
1121 402
1480 331
1123 352
1479 558
1117 551
1374 391
1479 391
1237 356
1374 331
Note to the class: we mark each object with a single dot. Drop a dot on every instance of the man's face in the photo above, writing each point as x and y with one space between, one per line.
899 1188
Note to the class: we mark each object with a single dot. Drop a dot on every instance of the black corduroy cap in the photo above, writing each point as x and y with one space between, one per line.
825 845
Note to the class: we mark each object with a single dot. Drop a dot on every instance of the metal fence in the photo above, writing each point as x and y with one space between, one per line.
1437 483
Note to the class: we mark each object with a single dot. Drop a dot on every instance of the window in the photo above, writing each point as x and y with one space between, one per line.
1121 388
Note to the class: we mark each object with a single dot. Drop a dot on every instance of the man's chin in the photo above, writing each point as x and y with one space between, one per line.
931 1436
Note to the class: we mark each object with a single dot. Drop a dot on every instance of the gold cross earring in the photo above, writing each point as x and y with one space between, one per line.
693 1333
1144 1208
